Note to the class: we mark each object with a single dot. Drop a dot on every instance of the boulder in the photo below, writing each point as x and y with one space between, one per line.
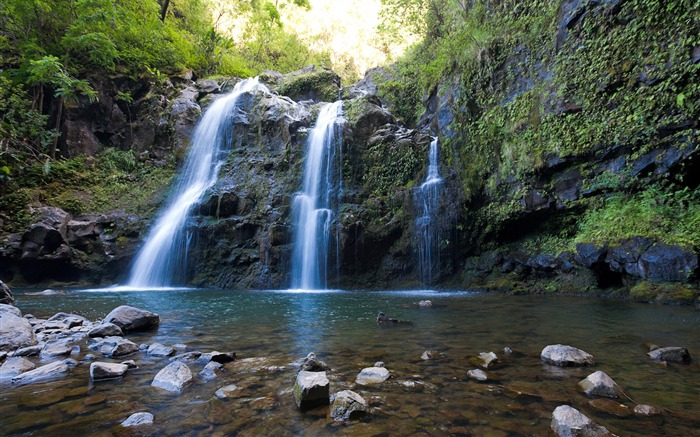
138 419
600 384
311 389
209 371
6 308
227 392
478 375
160 350
347 405
56 348
105 330
116 347
132 319
485 360
310 83
6 296
312 364
174 377
569 422
566 356
13 366
15 332
49 371
372 375
671 354
28 351
101 370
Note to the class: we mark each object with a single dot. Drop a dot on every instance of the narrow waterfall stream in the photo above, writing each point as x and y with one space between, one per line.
313 207
163 255
427 198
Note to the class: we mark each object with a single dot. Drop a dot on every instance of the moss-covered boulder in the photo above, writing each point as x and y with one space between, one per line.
310 83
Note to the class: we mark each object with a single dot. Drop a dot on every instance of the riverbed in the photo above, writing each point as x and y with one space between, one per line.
270 331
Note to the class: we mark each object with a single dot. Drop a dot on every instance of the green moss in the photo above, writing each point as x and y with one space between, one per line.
390 167
321 85
646 291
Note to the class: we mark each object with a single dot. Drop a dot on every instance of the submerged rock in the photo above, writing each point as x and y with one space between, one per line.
569 422
600 384
105 330
14 366
348 405
372 375
566 356
478 375
608 406
312 364
132 319
209 371
227 392
174 377
56 348
101 370
646 410
429 355
311 389
54 370
138 419
486 360
671 354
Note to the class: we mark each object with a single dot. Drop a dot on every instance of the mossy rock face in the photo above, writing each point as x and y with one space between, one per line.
646 291
321 85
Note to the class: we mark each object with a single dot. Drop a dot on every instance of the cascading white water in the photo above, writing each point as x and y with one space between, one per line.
163 255
427 198
313 213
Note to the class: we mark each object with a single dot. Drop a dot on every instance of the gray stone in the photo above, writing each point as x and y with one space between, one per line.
105 330
175 377
569 422
486 360
138 419
429 355
69 320
565 356
15 331
672 354
57 369
56 348
209 371
478 375
131 364
132 319
348 405
311 389
6 296
227 392
13 366
116 347
28 351
312 364
600 384
6 308
160 350
646 410
101 370
425 303
372 375
187 357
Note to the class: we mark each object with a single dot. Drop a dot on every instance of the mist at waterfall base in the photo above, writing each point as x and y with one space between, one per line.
162 261
314 208
427 199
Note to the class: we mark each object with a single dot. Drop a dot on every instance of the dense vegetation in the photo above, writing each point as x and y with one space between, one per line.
535 80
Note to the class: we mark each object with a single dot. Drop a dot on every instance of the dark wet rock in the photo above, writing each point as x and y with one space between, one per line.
223 357
174 377
600 384
184 114
485 360
132 319
138 419
646 410
6 296
311 363
671 354
105 330
56 348
311 389
383 319
187 357
55 370
372 375
347 405
566 356
160 350
429 355
101 370
588 254
210 370
227 392
15 332
478 375
611 407
14 366
569 422
208 86
28 351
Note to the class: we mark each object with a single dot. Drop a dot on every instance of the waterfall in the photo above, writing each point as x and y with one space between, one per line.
427 197
313 207
163 256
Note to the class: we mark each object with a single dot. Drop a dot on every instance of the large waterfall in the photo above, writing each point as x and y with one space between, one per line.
313 208
164 255
427 224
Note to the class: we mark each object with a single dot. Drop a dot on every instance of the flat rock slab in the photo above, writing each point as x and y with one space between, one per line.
566 356
132 319
173 377
348 405
106 330
138 419
55 370
372 375
600 384
569 422
608 406
311 389
160 350
671 354
14 366
101 370
56 349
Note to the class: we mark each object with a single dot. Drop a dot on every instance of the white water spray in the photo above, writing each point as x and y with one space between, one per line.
427 224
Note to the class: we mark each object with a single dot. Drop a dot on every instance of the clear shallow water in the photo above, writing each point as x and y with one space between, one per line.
269 330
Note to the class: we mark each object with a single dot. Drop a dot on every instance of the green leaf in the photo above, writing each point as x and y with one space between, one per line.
680 100
5 169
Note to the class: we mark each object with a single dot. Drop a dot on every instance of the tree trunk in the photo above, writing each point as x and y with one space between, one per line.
58 128
164 10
